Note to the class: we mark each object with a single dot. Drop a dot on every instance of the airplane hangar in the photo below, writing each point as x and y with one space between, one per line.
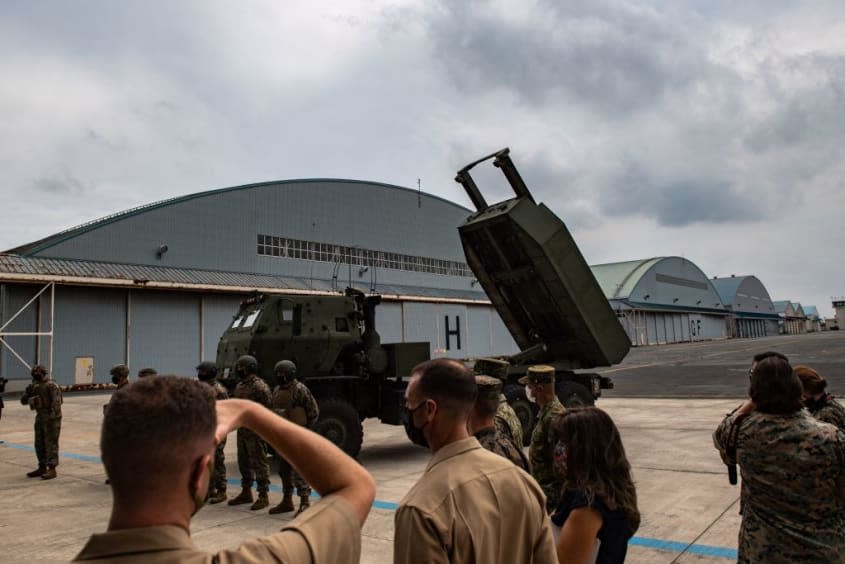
157 285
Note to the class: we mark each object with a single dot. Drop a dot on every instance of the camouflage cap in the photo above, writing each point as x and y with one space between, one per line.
539 374
491 367
488 386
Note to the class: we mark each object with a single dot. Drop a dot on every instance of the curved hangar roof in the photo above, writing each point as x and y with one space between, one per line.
745 294
658 283
293 228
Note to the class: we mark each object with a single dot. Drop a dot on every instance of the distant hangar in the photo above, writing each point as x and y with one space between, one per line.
158 284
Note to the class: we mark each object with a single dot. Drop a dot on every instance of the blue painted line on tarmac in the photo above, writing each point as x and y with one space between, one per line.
674 546
644 542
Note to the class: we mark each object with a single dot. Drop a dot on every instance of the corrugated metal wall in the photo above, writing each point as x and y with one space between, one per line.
15 296
164 331
89 322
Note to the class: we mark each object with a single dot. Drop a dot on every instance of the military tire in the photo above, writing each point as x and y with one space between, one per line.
573 394
339 423
525 410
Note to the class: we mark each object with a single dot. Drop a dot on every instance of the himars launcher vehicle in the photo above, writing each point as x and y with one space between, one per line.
532 271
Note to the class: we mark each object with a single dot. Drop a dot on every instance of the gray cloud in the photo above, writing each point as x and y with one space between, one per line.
60 185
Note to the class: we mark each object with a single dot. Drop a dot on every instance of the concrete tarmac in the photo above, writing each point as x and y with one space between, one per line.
689 510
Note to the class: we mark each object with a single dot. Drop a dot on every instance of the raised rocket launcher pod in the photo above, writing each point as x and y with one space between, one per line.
531 269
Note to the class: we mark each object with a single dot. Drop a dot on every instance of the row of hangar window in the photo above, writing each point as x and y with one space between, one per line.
285 247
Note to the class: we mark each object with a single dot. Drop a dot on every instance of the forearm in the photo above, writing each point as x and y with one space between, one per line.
323 465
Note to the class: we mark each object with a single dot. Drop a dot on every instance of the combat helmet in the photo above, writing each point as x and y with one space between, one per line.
120 371
248 364
39 373
285 367
206 371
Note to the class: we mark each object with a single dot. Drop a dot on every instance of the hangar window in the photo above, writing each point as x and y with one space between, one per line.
283 247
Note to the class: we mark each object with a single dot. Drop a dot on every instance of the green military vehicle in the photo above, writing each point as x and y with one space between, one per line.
529 266
338 353
544 291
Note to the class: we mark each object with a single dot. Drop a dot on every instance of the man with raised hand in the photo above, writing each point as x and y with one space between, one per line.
157 445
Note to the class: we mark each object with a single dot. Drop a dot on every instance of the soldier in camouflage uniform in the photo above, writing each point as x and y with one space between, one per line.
792 468
818 402
45 398
506 418
507 421
252 452
481 425
540 387
292 400
207 373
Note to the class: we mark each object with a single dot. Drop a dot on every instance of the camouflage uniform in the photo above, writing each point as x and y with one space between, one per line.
494 440
508 422
45 398
218 481
541 453
252 452
285 400
828 410
793 469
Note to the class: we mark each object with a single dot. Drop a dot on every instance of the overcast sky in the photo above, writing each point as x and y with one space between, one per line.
710 130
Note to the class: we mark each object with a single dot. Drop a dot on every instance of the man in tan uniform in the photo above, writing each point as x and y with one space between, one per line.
157 445
454 513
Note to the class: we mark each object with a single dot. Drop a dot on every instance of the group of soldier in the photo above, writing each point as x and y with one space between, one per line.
507 437
290 399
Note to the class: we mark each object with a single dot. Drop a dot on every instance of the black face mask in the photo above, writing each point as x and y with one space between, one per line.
416 433
241 373
115 380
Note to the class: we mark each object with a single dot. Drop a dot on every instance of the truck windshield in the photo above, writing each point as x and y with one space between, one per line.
250 319
236 323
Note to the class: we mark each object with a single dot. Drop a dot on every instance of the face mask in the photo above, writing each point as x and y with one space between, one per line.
416 433
115 380
241 373
559 460
199 502
529 393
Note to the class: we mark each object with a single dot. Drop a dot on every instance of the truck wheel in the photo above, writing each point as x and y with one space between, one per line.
339 423
525 410
573 394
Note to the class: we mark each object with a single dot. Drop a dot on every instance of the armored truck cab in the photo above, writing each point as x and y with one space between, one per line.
535 276
338 353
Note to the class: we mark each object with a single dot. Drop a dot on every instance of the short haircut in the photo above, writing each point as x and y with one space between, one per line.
769 354
448 382
774 387
152 430
486 404
812 382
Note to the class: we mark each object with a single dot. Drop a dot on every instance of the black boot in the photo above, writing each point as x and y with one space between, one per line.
37 472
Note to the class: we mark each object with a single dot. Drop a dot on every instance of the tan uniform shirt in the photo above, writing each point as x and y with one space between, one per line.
329 531
471 505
